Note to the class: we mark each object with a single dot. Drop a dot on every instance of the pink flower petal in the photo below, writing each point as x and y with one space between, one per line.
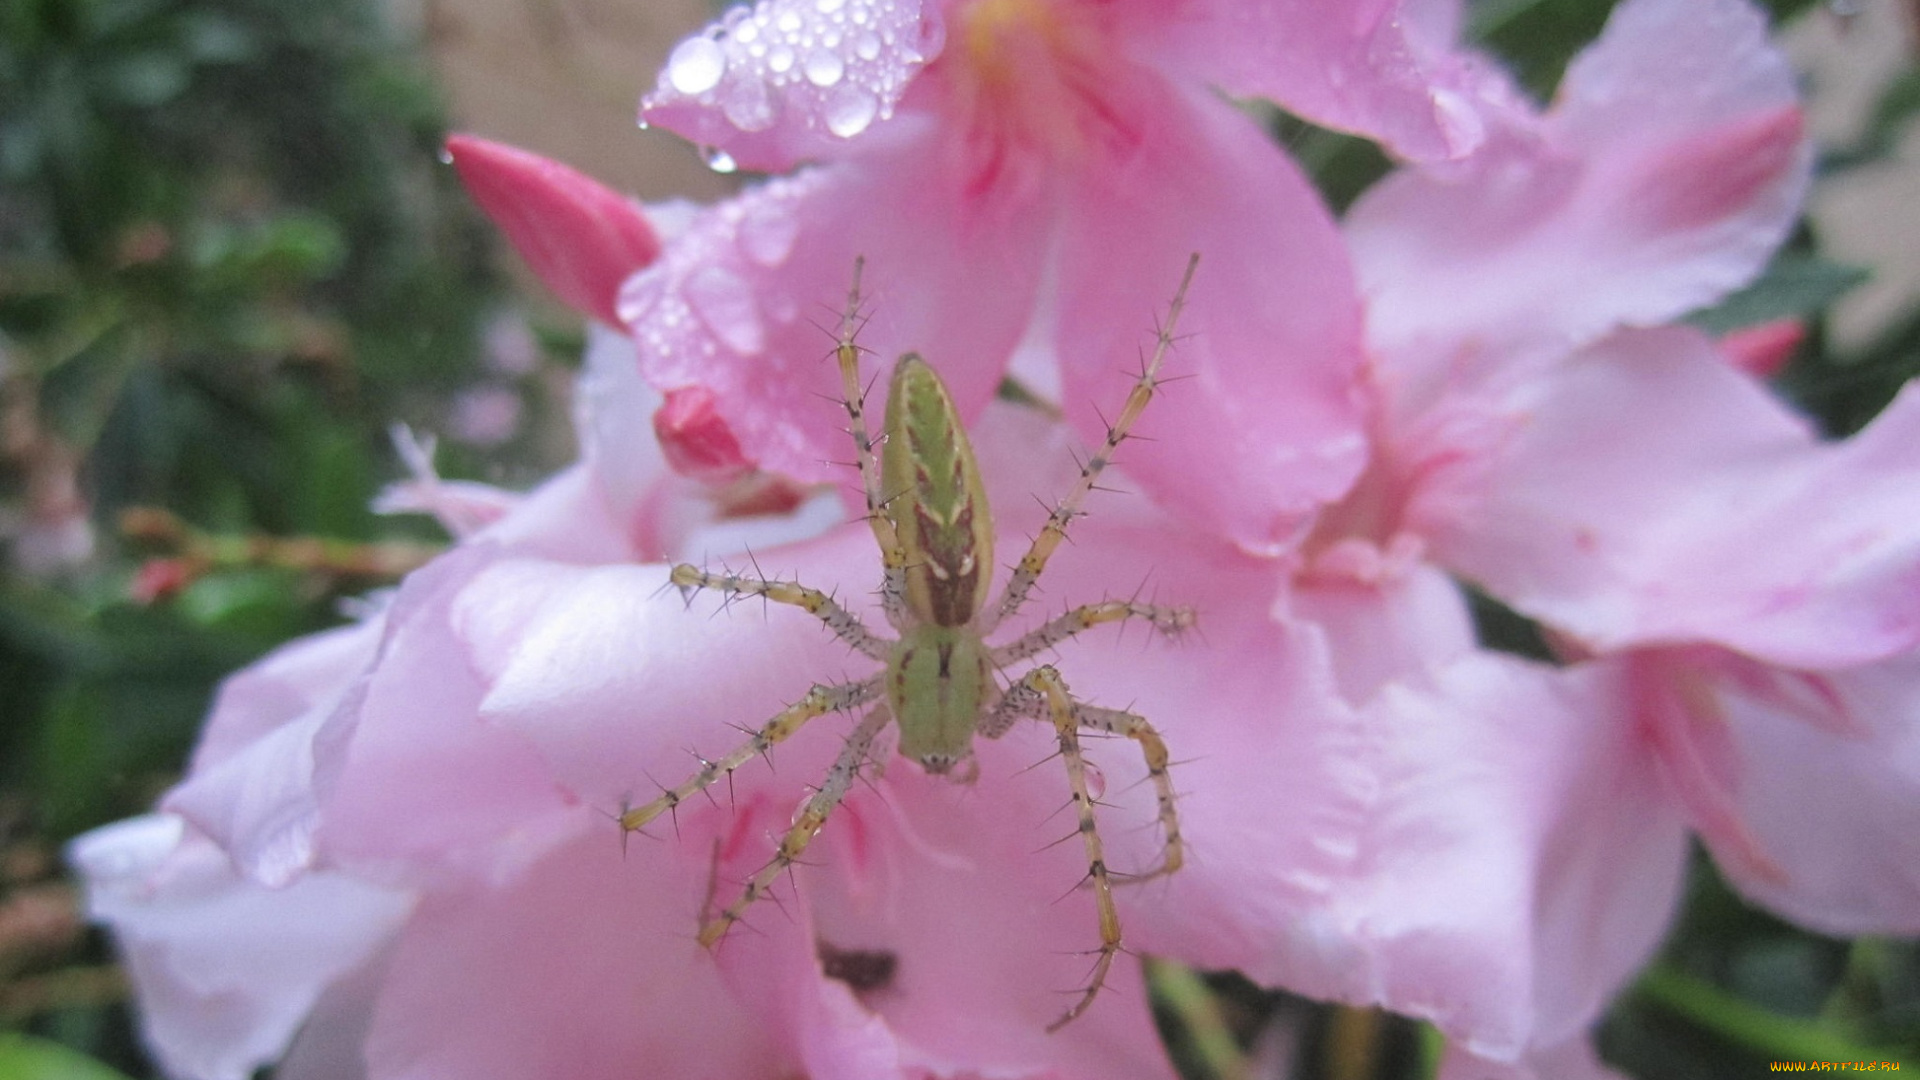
1671 166
1836 811
1571 1060
581 238
1267 430
226 969
1524 860
1714 514
403 772
744 303
1378 67
1385 631
251 786
789 80
583 966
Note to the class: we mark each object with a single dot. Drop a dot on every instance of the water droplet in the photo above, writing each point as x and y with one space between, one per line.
768 233
781 61
749 107
446 156
725 304
849 110
746 31
718 160
828 7
788 22
824 68
696 65
868 47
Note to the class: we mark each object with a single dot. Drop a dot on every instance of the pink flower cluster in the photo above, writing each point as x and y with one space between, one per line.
392 854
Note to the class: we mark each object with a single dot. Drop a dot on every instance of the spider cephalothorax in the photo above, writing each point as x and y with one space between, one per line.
942 683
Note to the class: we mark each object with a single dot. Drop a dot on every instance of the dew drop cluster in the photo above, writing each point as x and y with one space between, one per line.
831 65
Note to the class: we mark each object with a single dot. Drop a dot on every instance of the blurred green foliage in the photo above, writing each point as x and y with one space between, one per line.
229 260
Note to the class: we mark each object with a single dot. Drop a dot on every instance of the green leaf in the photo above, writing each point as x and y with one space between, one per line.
1745 1024
23 1057
1795 286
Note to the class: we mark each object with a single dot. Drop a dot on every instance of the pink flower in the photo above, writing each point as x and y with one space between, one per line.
1040 170
427 796
1735 595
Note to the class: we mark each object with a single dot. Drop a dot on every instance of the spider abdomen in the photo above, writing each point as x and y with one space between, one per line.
939 681
935 499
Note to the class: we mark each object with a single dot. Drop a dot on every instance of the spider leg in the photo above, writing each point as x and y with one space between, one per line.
1028 569
1043 686
893 554
1154 750
1171 621
844 624
813 814
821 699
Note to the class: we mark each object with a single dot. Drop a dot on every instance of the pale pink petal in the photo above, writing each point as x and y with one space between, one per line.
745 303
331 1044
1671 166
403 769
1836 811
1522 861
278 689
462 507
1267 428
570 518
226 969
1387 630
583 966
251 785
1646 493
791 80
1378 67
581 238
1572 1060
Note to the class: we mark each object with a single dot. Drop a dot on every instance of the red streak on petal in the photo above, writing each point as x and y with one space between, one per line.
1716 175
1763 349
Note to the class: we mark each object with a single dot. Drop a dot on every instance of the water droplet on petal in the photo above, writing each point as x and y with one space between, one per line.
788 22
781 61
824 68
725 304
868 47
828 7
696 65
718 160
749 107
746 31
849 110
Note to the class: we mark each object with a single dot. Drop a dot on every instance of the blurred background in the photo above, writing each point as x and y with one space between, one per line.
231 260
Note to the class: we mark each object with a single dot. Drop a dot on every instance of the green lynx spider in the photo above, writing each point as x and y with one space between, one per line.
942 682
